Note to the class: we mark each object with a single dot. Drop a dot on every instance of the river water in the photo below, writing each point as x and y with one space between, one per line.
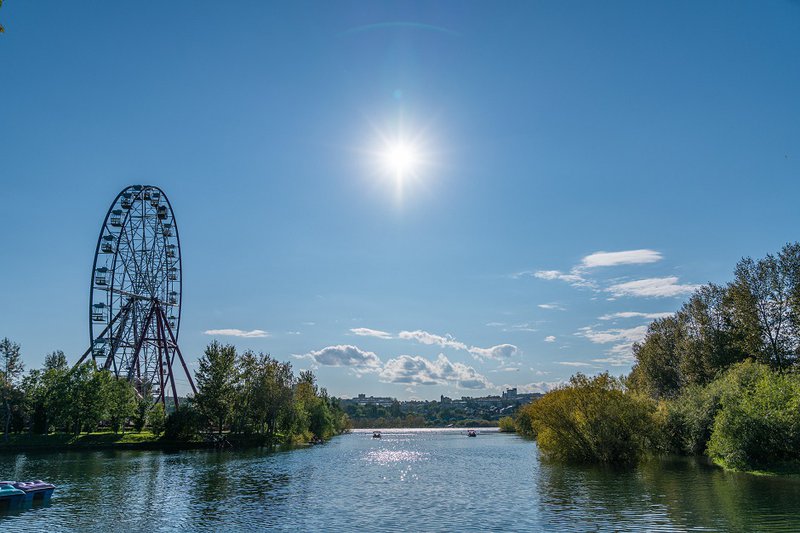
409 480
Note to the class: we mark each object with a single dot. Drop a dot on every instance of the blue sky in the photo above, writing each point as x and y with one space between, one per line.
664 134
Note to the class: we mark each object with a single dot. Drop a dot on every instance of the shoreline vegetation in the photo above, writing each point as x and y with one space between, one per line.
242 400
719 378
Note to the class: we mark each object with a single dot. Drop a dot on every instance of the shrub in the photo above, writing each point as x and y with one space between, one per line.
759 418
156 419
593 420
523 421
184 423
507 424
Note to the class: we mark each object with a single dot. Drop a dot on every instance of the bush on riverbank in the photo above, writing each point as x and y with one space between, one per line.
507 425
758 422
593 420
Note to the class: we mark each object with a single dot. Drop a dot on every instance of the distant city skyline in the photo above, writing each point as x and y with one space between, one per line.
412 200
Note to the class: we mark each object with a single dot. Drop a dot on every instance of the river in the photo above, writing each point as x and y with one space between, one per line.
409 480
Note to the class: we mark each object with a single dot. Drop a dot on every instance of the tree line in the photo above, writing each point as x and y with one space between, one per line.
246 396
719 377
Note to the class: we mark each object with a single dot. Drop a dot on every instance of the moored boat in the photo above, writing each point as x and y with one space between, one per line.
31 491
11 497
376 434
471 433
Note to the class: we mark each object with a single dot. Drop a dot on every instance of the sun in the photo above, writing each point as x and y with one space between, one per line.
401 159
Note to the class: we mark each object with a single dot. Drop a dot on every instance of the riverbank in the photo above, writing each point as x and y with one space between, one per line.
144 440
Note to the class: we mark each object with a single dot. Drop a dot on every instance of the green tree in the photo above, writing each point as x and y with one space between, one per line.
11 369
657 368
217 383
122 402
507 424
593 420
55 361
758 422
766 293
156 419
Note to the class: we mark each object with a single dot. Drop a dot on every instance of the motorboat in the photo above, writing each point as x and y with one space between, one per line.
376 434
472 433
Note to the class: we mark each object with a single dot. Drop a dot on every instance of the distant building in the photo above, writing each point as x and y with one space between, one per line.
363 399
510 394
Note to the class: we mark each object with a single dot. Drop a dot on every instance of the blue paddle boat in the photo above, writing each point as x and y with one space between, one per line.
11 497
31 491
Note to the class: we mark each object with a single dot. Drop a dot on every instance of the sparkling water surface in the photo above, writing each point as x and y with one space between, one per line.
409 480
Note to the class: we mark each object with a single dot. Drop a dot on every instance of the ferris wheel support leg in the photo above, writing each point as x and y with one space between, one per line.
135 362
159 342
112 359
178 350
105 330
170 373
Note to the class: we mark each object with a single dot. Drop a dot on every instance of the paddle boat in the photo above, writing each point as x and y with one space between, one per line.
10 497
376 434
32 491
471 433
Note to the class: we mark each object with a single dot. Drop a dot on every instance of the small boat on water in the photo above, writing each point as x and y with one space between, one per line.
471 433
32 491
10 497
376 434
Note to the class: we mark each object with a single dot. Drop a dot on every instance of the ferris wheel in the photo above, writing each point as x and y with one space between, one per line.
135 293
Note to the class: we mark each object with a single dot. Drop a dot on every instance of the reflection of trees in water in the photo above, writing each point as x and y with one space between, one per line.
682 493
699 493
594 498
227 485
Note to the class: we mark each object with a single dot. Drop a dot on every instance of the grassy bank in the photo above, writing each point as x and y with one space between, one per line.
107 440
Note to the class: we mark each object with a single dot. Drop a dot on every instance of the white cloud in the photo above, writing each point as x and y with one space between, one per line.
622 352
613 335
652 288
366 332
537 386
627 257
252 334
573 363
550 338
501 351
519 327
506 369
345 355
634 314
616 360
425 337
574 277
553 307
495 324
415 370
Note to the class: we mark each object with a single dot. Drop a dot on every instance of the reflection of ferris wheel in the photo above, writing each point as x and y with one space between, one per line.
135 294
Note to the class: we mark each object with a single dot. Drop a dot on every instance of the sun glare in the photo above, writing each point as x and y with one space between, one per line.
401 159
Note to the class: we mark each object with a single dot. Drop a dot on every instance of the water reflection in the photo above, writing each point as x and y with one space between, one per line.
408 480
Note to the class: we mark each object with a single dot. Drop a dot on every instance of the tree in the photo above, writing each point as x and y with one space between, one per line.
11 369
216 384
765 295
156 419
593 420
710 342
122 402
55 361
657 368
